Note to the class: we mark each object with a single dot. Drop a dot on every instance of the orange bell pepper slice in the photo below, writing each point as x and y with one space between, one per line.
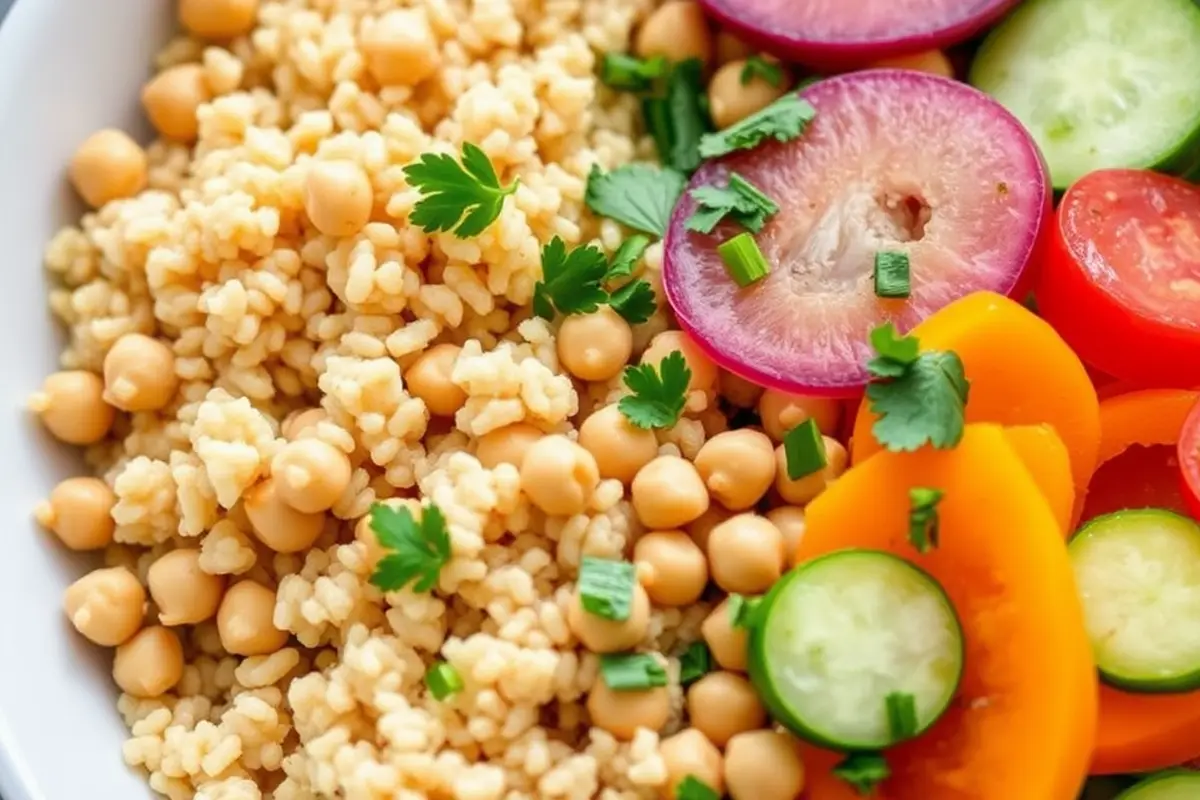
1045 456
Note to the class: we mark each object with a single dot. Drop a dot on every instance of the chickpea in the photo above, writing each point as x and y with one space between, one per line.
689 752
790 521
298 422
702 527
932 61
739 391
400 48
79 512
245 620
732 101
507 445
677 30
106 605
800 492
596 346
724 704
738 467
139 374
71 405
668 493
277 524
150 663
559 476
184 593
172 98
338 197
763 765
108 166
218 19
704 371
730 47
745 554
310 476
622 713
726 643
602 635
363 532
619 447
429 379
780 412
677 571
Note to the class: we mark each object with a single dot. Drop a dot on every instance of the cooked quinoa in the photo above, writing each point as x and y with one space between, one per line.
262 347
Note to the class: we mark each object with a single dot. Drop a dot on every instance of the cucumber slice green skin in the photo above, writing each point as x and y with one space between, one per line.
1183 681
1173 785
759 662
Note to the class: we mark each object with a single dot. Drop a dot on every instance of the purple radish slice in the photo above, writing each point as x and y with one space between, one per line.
833 34
894 160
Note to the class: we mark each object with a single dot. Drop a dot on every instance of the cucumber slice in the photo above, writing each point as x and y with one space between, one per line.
840 638
1168 786
1100 83
1139 574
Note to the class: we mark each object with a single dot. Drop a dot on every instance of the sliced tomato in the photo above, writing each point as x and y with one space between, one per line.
1188 454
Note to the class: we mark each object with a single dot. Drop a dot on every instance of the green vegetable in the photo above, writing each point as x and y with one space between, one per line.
677 119
658 395
805 450
625 259
636 195
450 189
742 611
921 397
783 120
923 518
692 788
571 282
741 200
418 551
443 680
606 587
863 771
757 66
635 301
694 663
892 274
630 73
632 672
902 715
743 260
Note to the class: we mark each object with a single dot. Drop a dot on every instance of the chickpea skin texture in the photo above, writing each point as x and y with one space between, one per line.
622 713
295 424
171 99
184 593
689 752
619 447
800 492
108 166
677 30
559 476
701 529
738 467
780 412
139 374
338 197
732 101
79 512
310 476
218 19
150 663
596 346
71 406
245 620
278 525
676 568
668 493
726 643
507 445
429 379
106 605
602 635
704 371
400 48
745 554
763 765
790 521
730 47
723 704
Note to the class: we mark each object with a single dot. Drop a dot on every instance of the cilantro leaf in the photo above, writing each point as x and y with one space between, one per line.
759 67
741 200
417 551
658 395
923 522
571 282
895 352
635 301
636 195
783 120
451 190
863 771
625 259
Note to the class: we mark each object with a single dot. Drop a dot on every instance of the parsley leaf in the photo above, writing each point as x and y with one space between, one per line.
658 395
863 771
418 551
625 259
635 301
759 67
450 189
923 523
923 396
741 200
636 195
571 282
783 120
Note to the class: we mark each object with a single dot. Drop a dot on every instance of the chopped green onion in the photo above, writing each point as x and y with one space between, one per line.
443 680
692 788
632 672
863 771
743 260
757 66
892 274
606 587
805 450
741 611
923 524
695 663
629 73
902 715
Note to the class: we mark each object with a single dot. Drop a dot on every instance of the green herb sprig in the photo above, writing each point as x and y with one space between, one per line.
451 189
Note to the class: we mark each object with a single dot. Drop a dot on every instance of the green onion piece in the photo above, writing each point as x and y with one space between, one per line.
695 663
923 523
632 672
629 73
692 788
741 611
606 587
892 274
758 66
443 680
743 260
902 715
805 450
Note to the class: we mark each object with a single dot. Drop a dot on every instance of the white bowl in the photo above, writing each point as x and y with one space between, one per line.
67 67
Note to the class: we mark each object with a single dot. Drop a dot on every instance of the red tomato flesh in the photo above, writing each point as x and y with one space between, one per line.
1188 456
